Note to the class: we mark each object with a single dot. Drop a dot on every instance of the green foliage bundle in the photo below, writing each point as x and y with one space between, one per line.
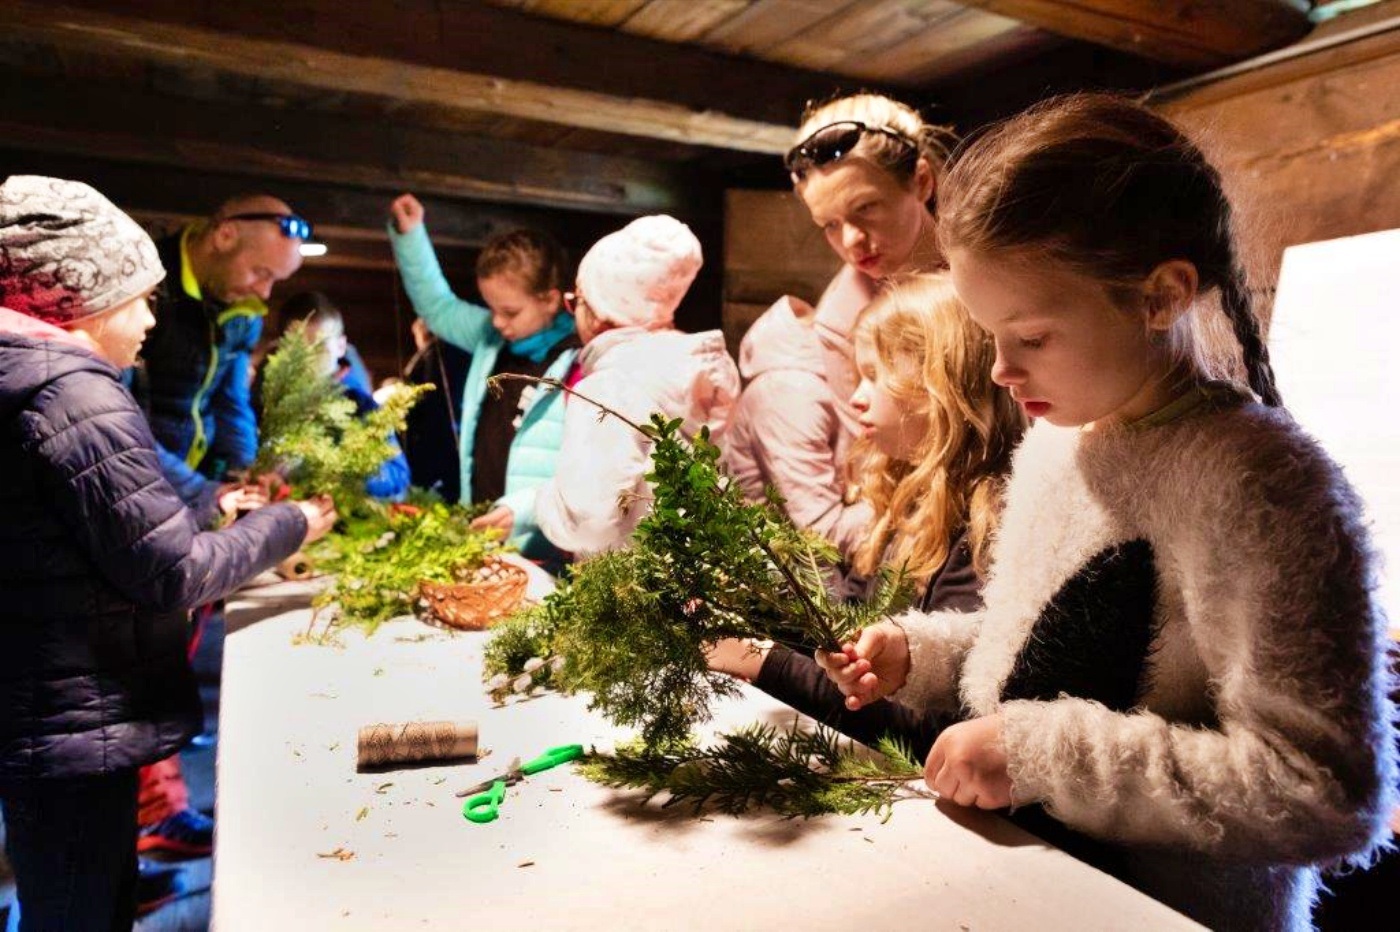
632 625
794 772
387 550
310 431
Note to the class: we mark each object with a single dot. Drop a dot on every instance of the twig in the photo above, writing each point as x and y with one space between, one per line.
560 386
814 614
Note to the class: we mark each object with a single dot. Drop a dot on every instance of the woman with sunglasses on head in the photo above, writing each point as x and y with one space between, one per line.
867 168
509 439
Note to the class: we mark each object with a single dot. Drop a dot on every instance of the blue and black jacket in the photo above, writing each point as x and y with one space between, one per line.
194 383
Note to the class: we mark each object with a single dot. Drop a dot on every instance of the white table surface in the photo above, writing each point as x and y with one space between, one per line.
565 853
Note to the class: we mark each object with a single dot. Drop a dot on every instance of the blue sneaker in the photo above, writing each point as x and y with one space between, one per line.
157 885
188 834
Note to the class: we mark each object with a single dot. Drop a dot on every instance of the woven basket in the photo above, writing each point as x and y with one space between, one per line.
494 590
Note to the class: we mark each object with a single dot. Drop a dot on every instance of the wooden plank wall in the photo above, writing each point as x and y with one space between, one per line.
771 248
1310 147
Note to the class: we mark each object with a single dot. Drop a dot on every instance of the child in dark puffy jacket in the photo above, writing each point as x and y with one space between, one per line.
100 561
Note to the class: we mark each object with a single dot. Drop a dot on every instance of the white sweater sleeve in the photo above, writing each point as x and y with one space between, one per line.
938 642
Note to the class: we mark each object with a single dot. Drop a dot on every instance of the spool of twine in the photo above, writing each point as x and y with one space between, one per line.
297 566
415 741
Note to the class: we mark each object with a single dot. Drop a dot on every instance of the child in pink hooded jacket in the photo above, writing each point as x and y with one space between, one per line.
635 362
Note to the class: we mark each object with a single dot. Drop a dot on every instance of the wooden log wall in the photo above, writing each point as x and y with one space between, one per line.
771 248
1310 147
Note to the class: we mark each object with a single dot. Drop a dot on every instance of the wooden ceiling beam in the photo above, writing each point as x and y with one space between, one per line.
160 189
282 143
1183 33
415 51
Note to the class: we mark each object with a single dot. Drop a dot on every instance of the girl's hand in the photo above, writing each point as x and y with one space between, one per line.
967 764
500 518
422 336
320 517
741 658
234 498
407 212
873 667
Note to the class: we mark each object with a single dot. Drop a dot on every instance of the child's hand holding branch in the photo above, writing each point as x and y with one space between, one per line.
875 666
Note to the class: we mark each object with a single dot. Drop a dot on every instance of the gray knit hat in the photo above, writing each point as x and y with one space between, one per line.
67 253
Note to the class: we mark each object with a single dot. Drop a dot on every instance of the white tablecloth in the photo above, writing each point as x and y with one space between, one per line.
306 843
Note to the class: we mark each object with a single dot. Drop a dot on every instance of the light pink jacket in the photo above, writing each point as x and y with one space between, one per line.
794 423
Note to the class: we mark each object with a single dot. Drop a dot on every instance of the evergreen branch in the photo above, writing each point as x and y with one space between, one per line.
384 552
797 773
631 627
813 613
310 431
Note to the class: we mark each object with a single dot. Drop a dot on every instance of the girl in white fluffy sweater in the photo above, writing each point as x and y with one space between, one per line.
1180 656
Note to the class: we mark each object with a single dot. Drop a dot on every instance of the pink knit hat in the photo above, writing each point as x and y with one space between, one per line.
637 276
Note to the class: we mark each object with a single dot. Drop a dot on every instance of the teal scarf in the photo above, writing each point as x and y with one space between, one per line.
537 345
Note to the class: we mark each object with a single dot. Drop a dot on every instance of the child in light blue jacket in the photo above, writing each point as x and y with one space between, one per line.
509 442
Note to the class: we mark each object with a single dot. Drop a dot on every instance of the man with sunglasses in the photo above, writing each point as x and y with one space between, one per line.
209 316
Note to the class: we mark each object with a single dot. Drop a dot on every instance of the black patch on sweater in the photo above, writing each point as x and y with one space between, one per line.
1093 639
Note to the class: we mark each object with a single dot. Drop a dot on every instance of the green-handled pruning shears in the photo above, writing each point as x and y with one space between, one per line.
484 806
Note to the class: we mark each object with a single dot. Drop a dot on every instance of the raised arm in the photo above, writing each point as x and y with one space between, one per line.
461 323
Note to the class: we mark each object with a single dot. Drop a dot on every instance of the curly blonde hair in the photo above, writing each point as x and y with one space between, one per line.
918 344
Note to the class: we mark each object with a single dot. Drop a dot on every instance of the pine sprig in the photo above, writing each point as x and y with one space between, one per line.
795 772
310 431
704 564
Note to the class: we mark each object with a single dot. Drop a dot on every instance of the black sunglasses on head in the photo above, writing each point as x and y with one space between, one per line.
835 141
291 225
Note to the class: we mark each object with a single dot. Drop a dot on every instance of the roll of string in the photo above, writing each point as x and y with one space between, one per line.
415 742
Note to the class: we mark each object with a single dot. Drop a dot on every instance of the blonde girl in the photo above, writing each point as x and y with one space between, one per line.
935 436
935 433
